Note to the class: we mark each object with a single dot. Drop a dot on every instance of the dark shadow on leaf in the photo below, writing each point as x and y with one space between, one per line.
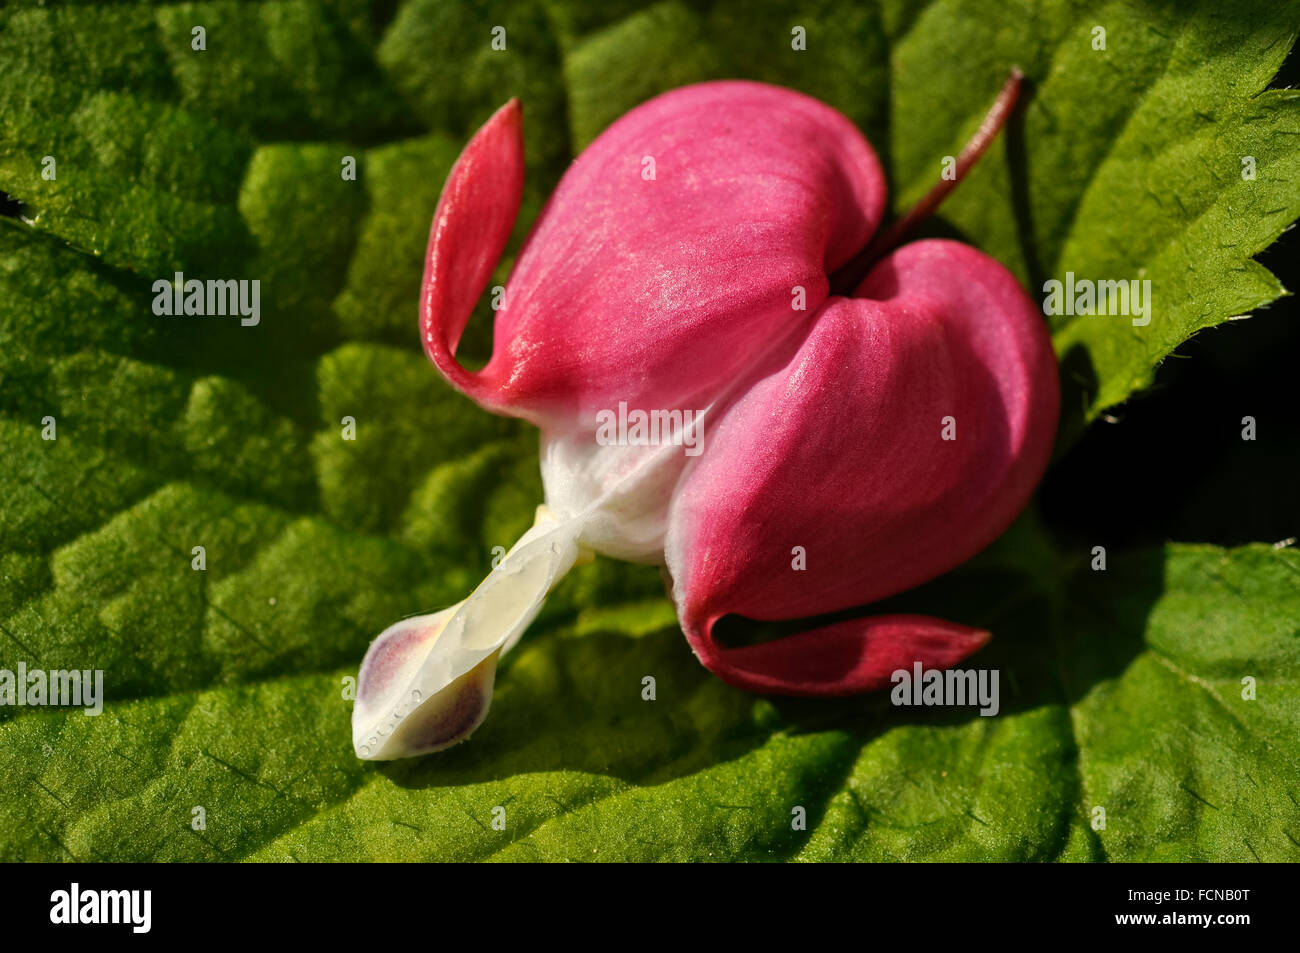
1079 386
1021 203
602 725
1049 645
10 207
936 226
1050 648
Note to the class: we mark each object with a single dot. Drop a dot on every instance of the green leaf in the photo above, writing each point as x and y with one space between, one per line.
225 686
1152 726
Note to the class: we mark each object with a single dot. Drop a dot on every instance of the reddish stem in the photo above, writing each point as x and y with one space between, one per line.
850 275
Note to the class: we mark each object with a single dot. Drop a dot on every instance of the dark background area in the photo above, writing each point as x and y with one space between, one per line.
1174 466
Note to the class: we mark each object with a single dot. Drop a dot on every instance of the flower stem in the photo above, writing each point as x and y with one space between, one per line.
848 277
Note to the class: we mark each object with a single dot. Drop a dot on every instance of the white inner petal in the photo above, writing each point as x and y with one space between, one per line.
426 682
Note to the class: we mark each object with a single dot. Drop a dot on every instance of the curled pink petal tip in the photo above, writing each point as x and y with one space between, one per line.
846 658
471 227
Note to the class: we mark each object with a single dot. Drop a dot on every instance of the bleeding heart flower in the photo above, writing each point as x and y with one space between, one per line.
877 415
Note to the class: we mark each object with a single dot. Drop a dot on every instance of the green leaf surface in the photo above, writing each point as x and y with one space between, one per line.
1120 689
